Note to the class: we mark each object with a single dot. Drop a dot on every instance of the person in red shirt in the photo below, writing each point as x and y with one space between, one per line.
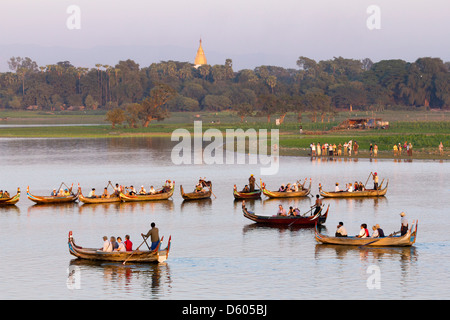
128 243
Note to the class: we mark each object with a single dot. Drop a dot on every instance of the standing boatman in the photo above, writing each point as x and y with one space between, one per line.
375 181
153 233
404 224
251 182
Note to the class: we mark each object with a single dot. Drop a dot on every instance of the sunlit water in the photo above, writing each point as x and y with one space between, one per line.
216 253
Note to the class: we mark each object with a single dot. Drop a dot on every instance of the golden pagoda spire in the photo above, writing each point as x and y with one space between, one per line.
200 58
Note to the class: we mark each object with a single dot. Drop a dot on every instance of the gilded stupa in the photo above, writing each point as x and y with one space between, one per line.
200 58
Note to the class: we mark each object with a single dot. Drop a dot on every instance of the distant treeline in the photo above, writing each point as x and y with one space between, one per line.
318 88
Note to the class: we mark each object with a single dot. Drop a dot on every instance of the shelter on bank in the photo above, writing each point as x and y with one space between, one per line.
363 123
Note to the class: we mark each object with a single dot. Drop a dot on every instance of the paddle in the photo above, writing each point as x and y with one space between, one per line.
370 174
145 240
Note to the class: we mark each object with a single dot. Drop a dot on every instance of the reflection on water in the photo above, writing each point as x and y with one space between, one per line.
152 280
216 253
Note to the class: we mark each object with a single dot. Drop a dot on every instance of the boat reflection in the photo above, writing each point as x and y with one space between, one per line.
59 208
196 204
377 253
154 278
127 207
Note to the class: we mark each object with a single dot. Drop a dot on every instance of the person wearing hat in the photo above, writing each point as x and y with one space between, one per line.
341 231
251 182
375 181
404 224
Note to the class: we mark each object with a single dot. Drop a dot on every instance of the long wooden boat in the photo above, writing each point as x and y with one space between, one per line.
195 195
354 194
141 256
10 200
82 198
238 195
51 199
406 240
300 220
290 194
147 197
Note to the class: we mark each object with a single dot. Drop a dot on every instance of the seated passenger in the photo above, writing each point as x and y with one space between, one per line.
291 211
380 231
152 190
92 194
336 188
132 191
281 211
54 193
121 246
341 231
105 193
142 190
282 188
246 189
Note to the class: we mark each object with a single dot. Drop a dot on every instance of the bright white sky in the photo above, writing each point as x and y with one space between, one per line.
319 29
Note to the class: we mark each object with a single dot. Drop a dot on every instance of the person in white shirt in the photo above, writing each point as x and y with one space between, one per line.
363 233
92 194
152 190
341 231
142 191
107 246
121 247
375 232
336 188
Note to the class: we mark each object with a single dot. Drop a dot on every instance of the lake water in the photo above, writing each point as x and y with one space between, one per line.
216 253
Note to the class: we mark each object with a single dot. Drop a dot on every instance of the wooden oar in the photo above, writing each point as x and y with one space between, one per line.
145 240
370 174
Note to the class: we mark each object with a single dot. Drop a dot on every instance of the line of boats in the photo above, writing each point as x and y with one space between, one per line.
167 192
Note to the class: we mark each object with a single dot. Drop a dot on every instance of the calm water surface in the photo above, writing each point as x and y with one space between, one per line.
216 253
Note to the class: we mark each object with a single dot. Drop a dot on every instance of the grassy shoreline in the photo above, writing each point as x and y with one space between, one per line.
425 135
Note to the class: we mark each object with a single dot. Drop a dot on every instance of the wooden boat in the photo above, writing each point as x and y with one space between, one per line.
10 200
256 194
354 194
195 195
51 199
278 194
148 197
82 198
141 256
289 221
406 240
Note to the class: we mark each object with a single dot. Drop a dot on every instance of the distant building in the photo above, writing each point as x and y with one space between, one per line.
200 58
363 123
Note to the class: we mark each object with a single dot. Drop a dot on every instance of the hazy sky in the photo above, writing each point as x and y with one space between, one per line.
319 29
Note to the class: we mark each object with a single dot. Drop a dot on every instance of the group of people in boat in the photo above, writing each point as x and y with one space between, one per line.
357 186
250 187
294 187
117 245
296 211
130 190
377 232
61 193
4 194
202 183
